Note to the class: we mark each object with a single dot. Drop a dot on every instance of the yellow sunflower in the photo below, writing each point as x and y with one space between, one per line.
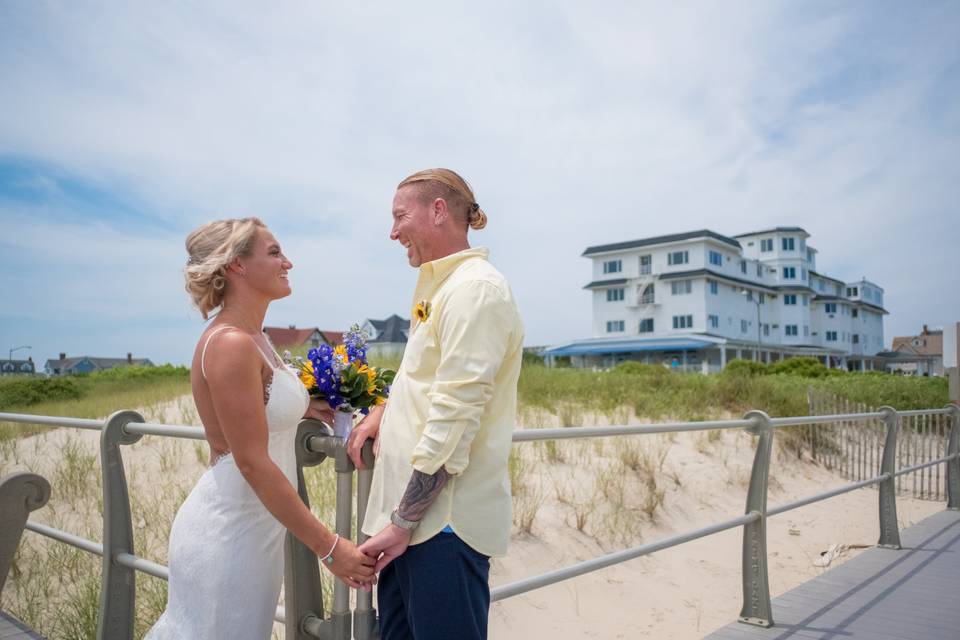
422 310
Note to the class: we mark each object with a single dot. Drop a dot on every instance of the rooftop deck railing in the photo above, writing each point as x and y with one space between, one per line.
303 615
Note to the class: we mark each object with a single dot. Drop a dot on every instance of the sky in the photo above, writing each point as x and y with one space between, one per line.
123 126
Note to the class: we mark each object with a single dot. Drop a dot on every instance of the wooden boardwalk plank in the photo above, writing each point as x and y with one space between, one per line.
882 594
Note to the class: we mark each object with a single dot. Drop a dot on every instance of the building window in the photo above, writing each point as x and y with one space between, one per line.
647 297
681 287
852 292
614 295
806 331
682 322
821 286
714 287
759 270
790 329
803 273
809 255
743 266
789 273
830 307
806 300
678 257
743 326
856 338
788 244
614 326
612 266
854 312
790 298
762 297
645 264
766 329
716 258
766 245
646 325
714 321
831 336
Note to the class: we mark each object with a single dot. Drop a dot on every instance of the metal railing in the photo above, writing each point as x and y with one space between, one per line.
303 615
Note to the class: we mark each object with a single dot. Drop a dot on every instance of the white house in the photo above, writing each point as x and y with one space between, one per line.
696 300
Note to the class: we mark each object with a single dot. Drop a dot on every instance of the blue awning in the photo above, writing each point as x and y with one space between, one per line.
633 346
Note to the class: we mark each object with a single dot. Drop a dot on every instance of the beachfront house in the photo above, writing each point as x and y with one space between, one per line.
64 366
696 300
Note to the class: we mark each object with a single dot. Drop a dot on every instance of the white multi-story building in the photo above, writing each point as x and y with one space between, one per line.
699 299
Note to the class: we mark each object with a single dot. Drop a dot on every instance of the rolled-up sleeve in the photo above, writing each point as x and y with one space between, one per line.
474 328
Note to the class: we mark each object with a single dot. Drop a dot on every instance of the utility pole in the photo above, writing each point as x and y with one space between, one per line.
951 358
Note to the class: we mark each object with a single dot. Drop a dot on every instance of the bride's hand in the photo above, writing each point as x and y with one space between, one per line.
320 410
352 566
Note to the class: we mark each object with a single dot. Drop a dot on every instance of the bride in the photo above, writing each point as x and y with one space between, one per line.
226 543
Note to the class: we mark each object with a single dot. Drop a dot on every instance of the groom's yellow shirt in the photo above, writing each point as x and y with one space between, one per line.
453 404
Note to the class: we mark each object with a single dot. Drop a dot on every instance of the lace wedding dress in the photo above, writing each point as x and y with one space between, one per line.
226 549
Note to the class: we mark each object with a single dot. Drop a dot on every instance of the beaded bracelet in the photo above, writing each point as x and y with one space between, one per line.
328 559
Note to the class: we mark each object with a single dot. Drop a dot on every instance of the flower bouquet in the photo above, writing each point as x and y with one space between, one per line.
341 376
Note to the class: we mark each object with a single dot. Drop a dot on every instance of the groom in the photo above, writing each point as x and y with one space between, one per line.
440 501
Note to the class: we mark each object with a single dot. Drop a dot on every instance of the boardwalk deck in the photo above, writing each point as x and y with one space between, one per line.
13 629
882 594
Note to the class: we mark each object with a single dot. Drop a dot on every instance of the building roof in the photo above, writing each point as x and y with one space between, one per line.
392 329
19 366
930 343
100 363
282 337
333 338
774 230
605 283
646 242
720 276
820 275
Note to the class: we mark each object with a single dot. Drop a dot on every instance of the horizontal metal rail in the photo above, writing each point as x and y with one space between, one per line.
67 538
847 488
168 430
563 433
840 417
917 467
529 584
52 421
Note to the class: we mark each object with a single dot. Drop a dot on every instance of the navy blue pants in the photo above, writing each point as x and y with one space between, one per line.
436 590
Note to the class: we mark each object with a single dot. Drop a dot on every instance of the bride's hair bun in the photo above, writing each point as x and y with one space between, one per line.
211 248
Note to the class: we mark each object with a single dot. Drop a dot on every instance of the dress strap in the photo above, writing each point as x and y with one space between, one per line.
203 354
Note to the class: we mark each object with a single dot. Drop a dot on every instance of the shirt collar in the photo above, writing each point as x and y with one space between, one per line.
437 270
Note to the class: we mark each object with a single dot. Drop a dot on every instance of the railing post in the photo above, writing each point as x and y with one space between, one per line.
118 583
334 447
756 585
365 624
953 466
889 530
303 591
20 493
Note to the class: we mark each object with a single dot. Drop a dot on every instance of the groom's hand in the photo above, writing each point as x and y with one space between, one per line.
368 429
387 545
320 410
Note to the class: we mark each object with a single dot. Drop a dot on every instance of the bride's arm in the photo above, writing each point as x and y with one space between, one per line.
236 390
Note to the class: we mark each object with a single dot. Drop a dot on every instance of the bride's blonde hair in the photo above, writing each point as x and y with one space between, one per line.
447 184
211 248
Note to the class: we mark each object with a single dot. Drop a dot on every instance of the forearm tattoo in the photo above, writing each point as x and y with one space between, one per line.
421 492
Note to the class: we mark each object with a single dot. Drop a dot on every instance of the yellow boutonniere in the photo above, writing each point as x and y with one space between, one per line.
422 310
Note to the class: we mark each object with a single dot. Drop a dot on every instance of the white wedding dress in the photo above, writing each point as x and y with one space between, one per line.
226 549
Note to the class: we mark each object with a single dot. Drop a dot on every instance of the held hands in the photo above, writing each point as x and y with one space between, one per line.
387 545
352 566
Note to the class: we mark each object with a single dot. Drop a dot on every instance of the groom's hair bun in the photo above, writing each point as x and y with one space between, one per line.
211 248
447 184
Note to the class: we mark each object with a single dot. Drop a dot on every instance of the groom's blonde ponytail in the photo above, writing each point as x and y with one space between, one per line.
447 184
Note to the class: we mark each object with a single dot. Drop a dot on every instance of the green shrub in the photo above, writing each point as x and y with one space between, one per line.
805 367
25 392
745 368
